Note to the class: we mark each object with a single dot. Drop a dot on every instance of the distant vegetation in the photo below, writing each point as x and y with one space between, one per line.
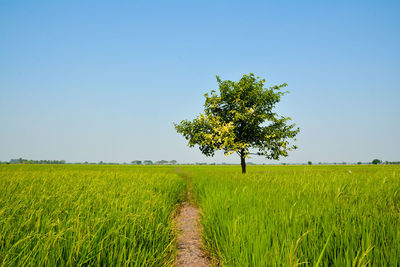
376 161
392 162
174 162
135 162
30 161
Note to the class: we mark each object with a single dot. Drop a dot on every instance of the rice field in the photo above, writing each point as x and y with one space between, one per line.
301 215
87 215
75 215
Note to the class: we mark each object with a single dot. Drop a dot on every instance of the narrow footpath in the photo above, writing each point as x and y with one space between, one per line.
190 244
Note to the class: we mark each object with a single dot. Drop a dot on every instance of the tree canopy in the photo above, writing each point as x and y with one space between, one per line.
376 161
240 119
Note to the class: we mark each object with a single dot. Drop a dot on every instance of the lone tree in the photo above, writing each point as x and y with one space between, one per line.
376 161
240 119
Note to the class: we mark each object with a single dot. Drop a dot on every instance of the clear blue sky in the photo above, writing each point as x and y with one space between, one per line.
96 80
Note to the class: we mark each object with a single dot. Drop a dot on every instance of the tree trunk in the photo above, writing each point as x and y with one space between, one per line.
243 162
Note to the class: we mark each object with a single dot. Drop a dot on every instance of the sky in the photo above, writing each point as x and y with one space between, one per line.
105 80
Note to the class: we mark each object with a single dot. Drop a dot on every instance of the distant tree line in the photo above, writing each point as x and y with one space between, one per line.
31 161
374 162
392 162
135 162
174 162
149 162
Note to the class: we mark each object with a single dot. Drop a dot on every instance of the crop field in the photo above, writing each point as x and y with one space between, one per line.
87 215
309 215
76 215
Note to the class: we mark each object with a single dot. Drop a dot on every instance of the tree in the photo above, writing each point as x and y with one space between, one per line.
309 162
376 161
240 119
161 162
137 162
147 162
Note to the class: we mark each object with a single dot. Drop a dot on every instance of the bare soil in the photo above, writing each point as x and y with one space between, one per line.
190 245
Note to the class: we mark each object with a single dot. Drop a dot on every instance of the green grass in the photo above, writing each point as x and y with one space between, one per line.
87 215
308 215
78 215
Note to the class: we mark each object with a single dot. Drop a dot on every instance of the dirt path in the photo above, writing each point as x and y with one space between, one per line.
190 244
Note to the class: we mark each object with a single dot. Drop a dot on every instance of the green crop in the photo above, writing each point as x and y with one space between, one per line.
87 215
301 215
76 215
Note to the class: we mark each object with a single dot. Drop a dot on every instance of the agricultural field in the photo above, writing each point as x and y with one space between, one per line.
76 215
87 215
308 215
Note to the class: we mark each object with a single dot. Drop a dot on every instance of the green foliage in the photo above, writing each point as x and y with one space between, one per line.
240 118
309 162
87 215
376 161
288 215
161 162
31 161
